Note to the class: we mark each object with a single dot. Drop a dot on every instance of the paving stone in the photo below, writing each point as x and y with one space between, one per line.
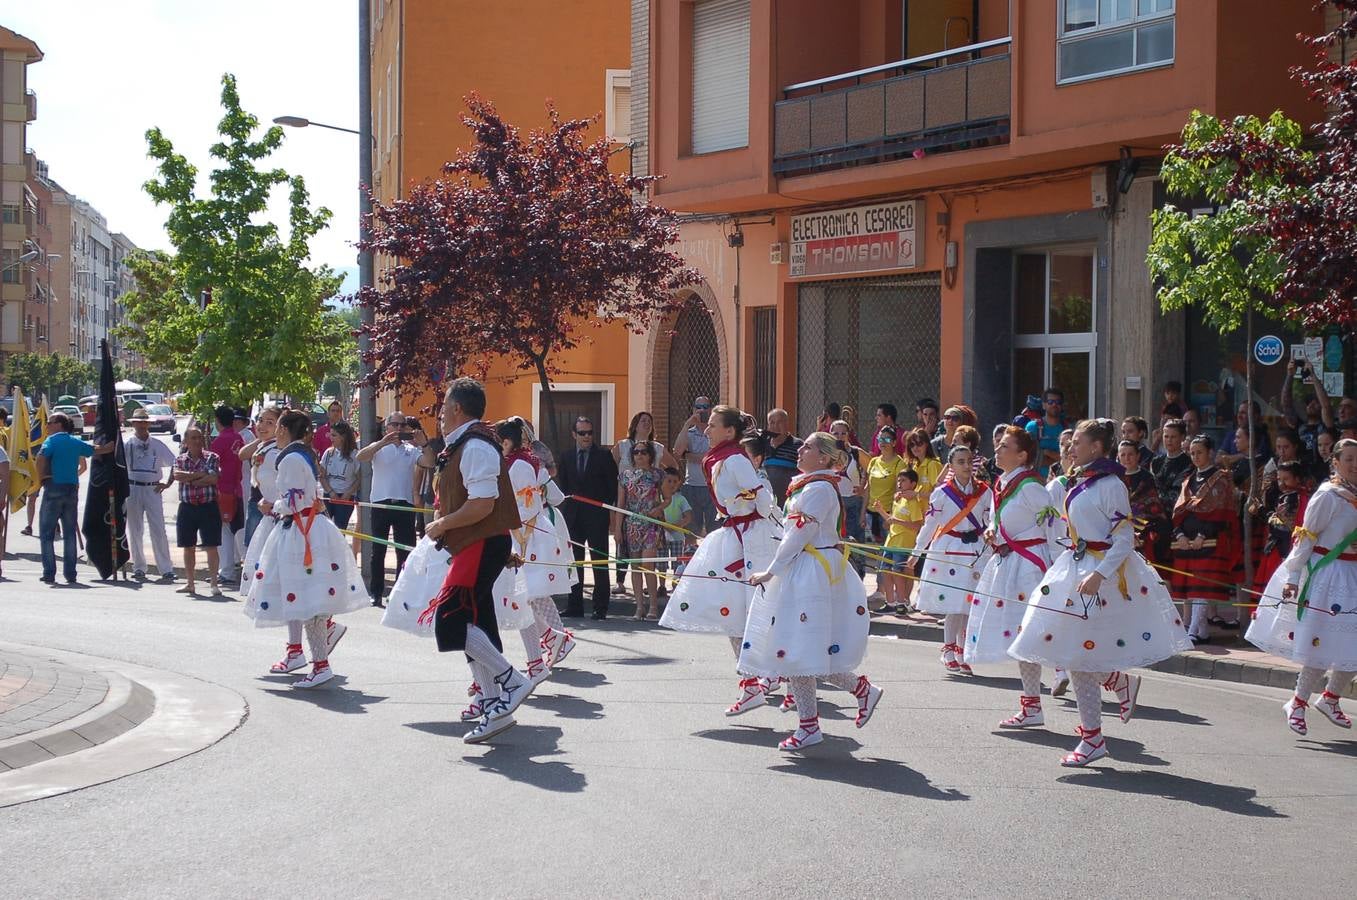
24 753
104 729
63 742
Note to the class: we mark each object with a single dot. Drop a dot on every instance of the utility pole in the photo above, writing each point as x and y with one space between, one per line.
367 399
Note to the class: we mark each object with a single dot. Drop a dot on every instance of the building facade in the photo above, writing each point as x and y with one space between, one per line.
942 198
18 207
427 55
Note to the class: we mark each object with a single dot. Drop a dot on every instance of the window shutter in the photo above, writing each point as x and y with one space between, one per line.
720 75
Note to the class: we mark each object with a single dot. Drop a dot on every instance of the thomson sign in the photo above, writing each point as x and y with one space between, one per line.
861 239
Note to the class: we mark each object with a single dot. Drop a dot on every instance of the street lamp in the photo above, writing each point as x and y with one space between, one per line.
31 254
303 122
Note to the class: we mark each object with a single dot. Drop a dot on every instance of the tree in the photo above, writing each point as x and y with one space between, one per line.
38 374
234 311
519 249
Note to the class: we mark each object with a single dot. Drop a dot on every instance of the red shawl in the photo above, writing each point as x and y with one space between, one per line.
710 459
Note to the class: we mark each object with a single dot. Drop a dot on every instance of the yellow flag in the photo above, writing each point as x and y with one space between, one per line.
38 430
23 467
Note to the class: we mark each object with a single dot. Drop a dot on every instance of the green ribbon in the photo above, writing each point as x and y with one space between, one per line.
1311 568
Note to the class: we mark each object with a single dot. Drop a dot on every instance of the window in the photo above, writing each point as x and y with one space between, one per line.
1107 37
9 259
720 75
12 215
617 104
1054 336
765 361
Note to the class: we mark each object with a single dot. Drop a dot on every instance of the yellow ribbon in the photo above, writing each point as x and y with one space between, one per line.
1100 554
824 562
1300 532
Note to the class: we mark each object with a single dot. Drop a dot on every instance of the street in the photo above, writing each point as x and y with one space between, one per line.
623 778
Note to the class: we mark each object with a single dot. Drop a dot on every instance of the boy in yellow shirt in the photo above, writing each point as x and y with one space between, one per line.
905 520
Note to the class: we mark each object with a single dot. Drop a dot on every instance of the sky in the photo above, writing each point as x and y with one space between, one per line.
111 70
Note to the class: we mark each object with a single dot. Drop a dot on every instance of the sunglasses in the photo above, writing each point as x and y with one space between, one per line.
952 418
702 406
585 433
839 433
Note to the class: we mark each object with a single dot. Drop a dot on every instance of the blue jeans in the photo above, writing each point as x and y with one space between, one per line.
58 507
704 511
252 519
852 514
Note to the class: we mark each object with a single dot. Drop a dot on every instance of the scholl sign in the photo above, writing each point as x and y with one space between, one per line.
1268 350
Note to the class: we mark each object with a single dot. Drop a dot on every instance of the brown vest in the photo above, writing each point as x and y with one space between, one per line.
452 494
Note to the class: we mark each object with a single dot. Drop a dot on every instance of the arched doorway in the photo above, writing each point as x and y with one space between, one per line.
694 363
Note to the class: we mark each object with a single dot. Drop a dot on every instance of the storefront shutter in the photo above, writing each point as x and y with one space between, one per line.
720 75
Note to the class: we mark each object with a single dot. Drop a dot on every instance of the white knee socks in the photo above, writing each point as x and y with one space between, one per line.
1308 682
953 628
1339 681
318 639
1031 678
532 645
1197 627
546 615
1088 695
480 649
844 681
803 692
294 631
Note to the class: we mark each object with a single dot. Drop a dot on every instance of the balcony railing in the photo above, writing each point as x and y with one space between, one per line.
925 104
30 106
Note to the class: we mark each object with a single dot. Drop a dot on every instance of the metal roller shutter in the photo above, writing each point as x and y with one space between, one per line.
720 75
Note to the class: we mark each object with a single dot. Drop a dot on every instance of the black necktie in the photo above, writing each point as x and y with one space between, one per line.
583 456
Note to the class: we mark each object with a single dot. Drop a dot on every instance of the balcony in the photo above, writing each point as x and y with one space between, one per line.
927 104
30 106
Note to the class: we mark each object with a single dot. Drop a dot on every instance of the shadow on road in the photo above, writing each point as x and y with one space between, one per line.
1224 797
637 660
578 678
1119 749
513 756
873 773
333 696
566 706
1341 748
1148 713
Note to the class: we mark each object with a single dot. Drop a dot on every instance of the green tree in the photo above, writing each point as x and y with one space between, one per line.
234 311
38 374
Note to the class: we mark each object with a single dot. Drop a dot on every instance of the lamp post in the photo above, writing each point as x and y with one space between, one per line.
367 398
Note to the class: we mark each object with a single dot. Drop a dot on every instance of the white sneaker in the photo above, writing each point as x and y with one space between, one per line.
869 695
1061 683
537 673
1328 705
752 696
315 679
513 690
489 727
294 660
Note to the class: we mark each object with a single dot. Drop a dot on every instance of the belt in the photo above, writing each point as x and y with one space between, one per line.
146 483
966 537
1006 548
1350 556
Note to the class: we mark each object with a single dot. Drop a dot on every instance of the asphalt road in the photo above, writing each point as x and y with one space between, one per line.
624 779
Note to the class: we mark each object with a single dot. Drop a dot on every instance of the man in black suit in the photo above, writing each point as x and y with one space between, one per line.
587 470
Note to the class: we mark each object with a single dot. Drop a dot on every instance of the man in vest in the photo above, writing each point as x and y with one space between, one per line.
476 509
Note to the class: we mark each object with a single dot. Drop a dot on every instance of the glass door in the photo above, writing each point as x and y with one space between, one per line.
1055 334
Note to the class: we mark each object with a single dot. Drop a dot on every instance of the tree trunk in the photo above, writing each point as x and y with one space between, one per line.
546 429
1249 561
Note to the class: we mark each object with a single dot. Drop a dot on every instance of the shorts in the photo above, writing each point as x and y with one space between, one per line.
899 559
674 550
198 524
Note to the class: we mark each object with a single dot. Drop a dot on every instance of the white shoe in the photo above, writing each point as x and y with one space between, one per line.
334 634
489 727
869 695
476 710
513 690
1092 747
752 696
802 738
1328 705
537 673
315 679
1029 714
563 647
1295 715
1061 684
294 660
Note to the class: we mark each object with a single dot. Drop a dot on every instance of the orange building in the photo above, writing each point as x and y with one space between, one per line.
427 55
896 199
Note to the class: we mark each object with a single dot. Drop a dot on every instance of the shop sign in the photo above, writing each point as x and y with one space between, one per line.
1268 350
872 238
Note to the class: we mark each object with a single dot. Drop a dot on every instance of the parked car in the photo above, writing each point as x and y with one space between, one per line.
70 410
162 417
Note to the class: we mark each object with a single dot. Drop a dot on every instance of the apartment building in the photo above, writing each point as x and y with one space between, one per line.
896 199
18 107
427 55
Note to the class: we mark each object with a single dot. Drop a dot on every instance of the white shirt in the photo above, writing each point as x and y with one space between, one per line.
479 464
393 473
146 458
247 436
340 471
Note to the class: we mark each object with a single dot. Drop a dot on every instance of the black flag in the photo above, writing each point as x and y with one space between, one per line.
105 517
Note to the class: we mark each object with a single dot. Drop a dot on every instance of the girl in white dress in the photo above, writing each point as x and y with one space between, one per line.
1021 533
1308 613
1100 608
809 615
951 553
305 572
717 602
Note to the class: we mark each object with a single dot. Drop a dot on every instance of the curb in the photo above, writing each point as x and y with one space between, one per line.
126 705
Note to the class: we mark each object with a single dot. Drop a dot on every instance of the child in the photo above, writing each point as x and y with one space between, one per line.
906 518
677 511
756 448
1284 505
639 491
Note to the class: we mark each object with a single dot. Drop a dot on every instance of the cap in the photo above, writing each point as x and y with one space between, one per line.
241 415
140 415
